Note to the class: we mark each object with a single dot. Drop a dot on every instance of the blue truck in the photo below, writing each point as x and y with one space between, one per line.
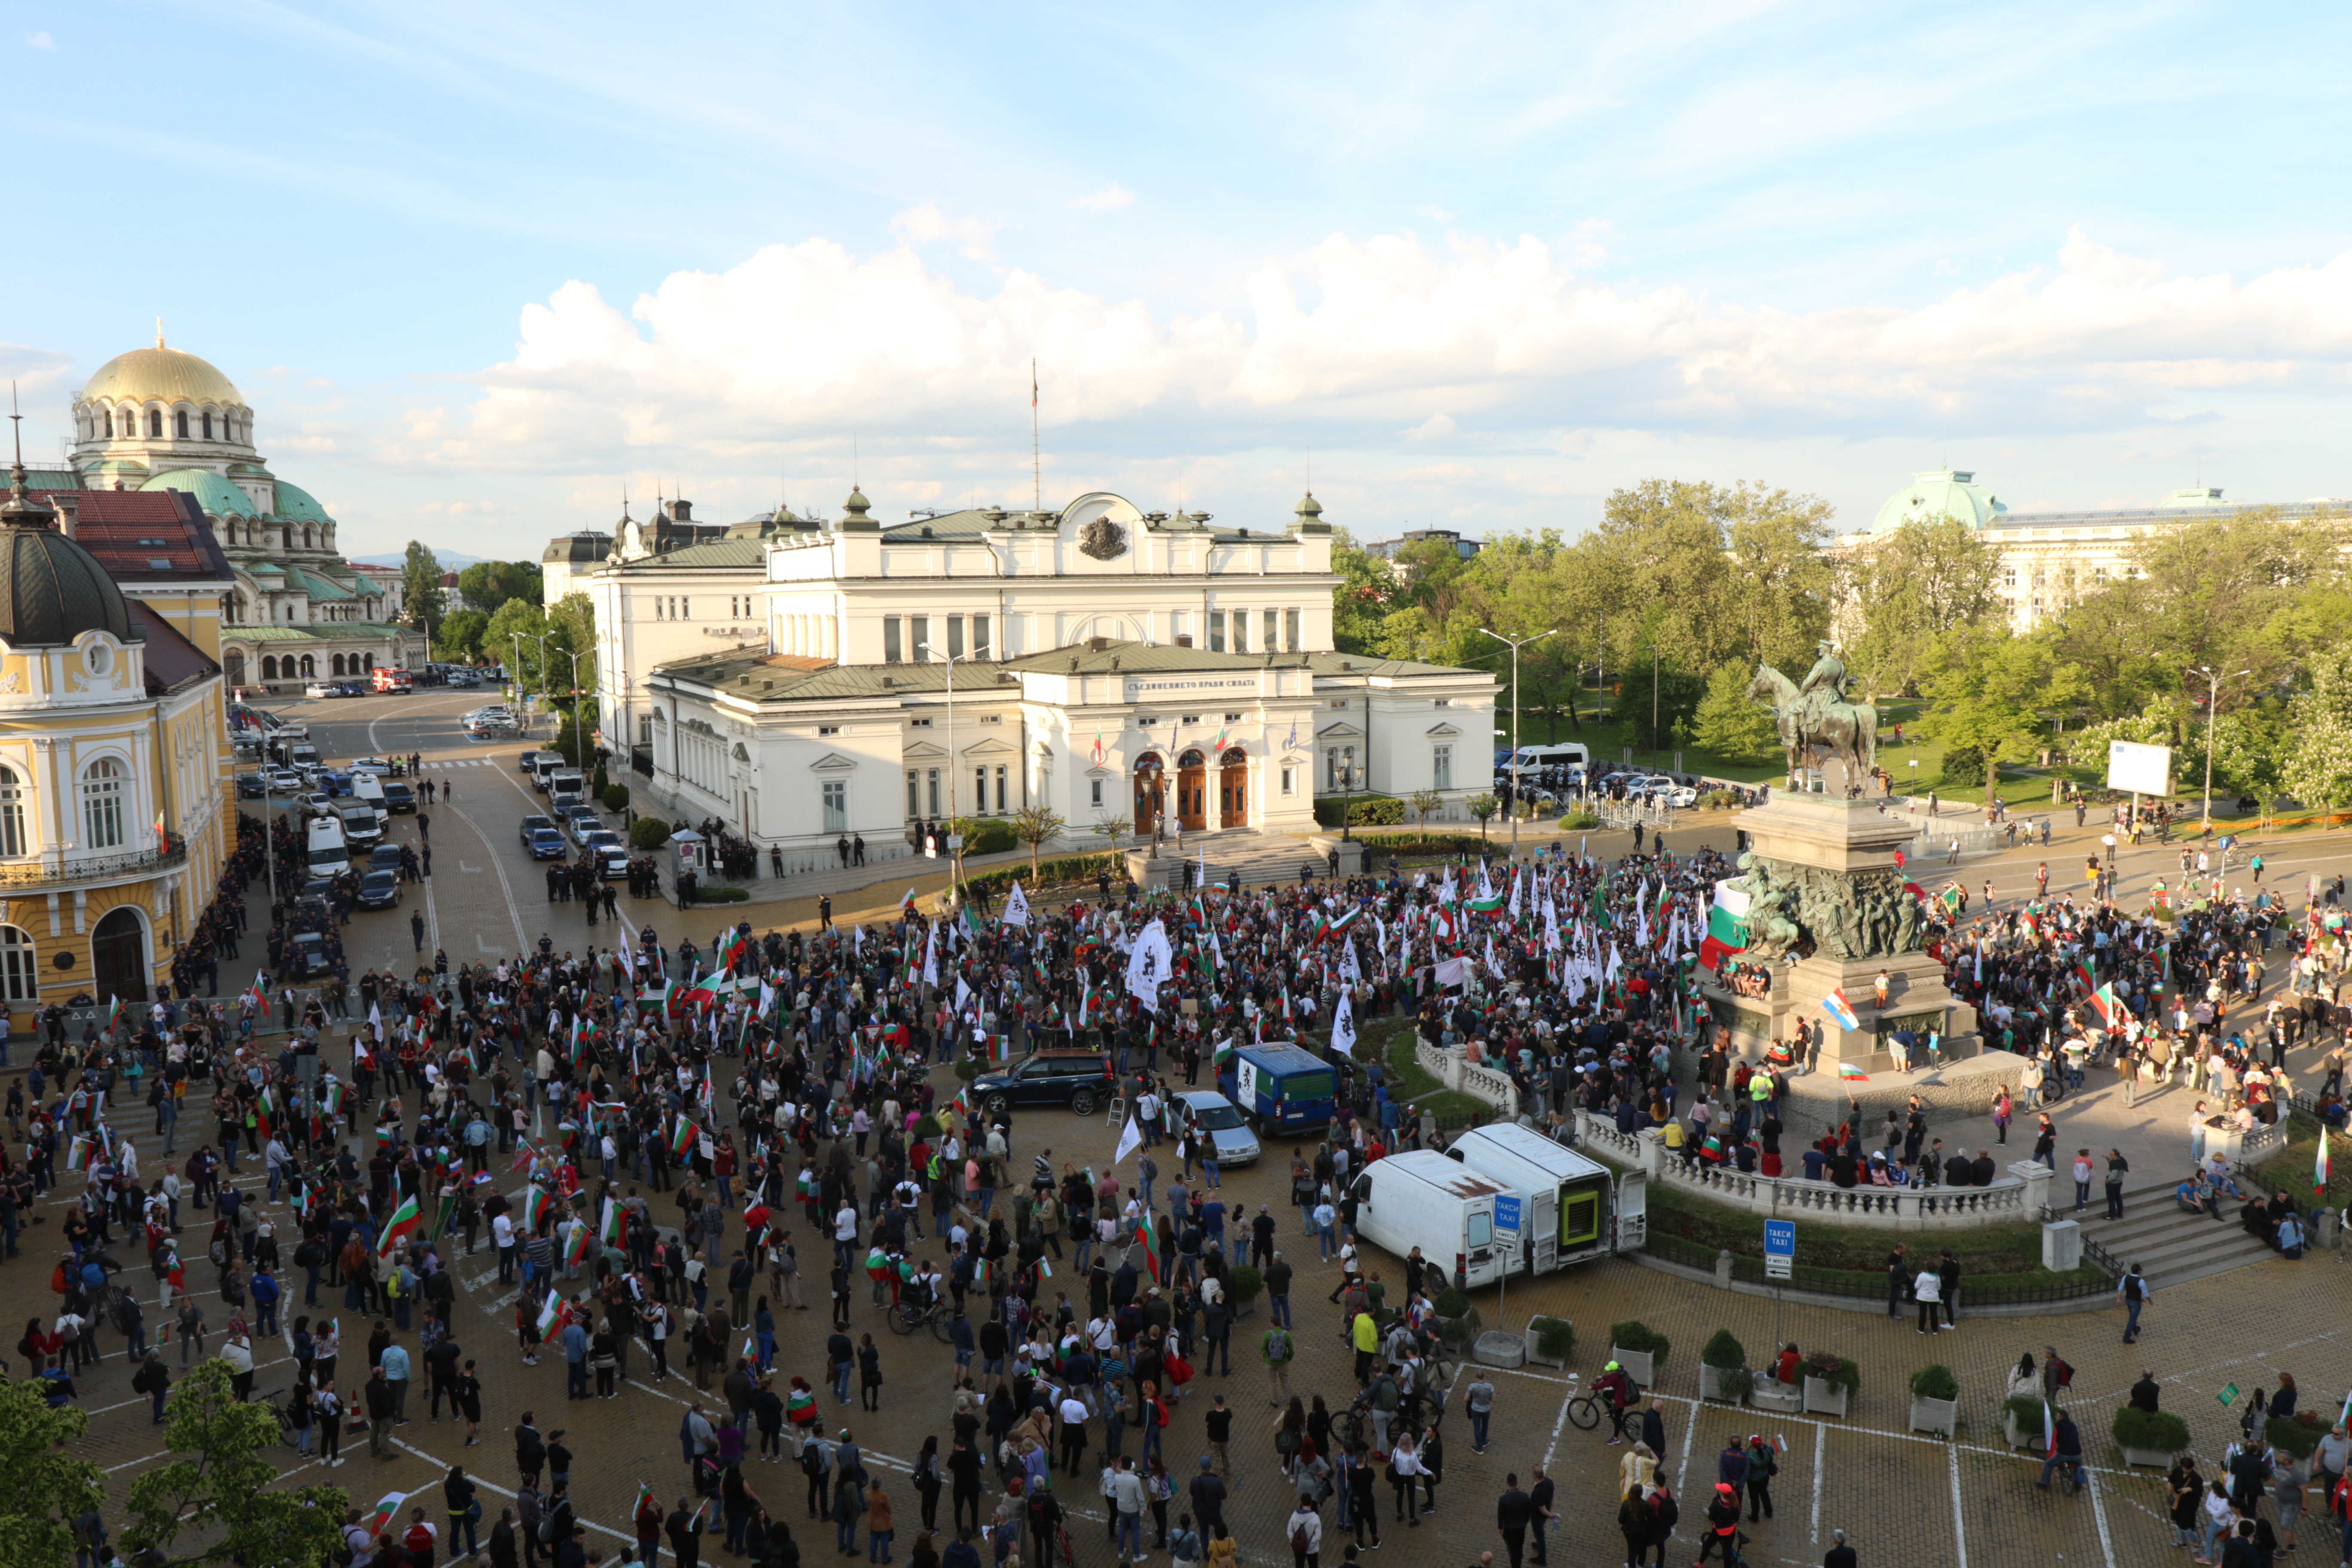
1284 1088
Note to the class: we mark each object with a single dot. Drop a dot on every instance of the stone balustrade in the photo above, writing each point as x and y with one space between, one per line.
2019 1196
1455 1070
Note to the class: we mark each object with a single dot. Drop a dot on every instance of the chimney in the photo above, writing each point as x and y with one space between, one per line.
1183 639
67 508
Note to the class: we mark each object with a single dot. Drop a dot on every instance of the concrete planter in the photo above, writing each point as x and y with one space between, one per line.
1728 1384
1939 1416
1766 1392
1637 1365
2154 1458
1534 1352
2018 1436
1823 1398
1496 1347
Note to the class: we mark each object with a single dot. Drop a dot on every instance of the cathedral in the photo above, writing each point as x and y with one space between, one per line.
290 608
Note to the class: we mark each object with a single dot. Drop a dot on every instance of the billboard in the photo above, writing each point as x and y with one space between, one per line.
2143 770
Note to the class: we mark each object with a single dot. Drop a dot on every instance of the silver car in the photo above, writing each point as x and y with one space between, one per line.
1217 1126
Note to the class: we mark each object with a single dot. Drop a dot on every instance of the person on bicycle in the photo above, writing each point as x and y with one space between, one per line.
2068 1452
1618 1385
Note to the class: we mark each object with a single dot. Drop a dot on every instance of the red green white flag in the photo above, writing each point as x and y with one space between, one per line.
385 1511
404 1222
2319 1167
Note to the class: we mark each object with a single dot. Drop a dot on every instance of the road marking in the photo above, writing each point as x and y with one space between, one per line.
2098 1517
469 870
1821 1444
498 866
493 1487
1960 1531
141 1460
1556 1423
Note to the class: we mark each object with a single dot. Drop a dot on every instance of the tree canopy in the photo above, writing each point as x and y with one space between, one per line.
486 585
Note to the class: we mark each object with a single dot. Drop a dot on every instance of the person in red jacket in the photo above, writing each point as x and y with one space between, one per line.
1722 1525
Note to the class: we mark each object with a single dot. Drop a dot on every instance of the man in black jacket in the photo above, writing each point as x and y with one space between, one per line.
1208 1492
531 1453
1512 1511
381 1404
685 1536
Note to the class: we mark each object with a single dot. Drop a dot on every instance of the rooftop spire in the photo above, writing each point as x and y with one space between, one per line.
158 331
20 510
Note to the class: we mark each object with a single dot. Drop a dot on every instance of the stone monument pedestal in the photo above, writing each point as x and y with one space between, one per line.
1844 850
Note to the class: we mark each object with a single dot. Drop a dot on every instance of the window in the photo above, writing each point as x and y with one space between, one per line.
155 422
1241 631
836 805
918 723
1095 793
1217 631
979 791
1289 630
955 637
1272 640
980 644
828 729
1441 767
932 783
685 610
919 633
893 649
19 975
1290 775
102 800
1232 718
913 808
12 813
1000 789
208 424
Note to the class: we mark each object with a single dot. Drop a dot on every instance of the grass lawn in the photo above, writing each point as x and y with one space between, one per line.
2289 1172
1394 1042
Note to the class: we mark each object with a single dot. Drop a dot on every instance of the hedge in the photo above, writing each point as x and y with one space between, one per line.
1934 1383
616 797
1638 1337
1555 1338
1578 822
2289 1432
650 832
1834 1370
1363 810
1426 843
722 895
1068 868
993 836
2159 1431
1723 1351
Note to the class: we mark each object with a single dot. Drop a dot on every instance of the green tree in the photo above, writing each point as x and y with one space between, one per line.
517 619
1906 588
420 588
1726 724
1986 687
49 1486
1036 826
486 585
1360 600
222 1492
459 640
2317 767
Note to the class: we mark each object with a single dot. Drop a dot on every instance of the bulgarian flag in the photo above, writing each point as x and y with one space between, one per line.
2319 1166
554 1313
264 1112
383 1513
404 1221
1146 1235
1348 919
2102 1002
609 1233
2049 1433
683 1139
578 1247
113 1011
534 1207
878 1264
741 945
1849 1072
1488 905
1726 926
799 1408
643 1492
259 999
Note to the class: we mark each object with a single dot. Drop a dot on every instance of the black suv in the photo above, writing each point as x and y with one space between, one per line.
1080 1079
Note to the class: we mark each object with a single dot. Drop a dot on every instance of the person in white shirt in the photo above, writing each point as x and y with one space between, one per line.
502 1237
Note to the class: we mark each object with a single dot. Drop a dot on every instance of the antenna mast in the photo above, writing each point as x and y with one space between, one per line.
1037 466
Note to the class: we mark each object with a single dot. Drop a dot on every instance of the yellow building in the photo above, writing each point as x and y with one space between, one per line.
116 809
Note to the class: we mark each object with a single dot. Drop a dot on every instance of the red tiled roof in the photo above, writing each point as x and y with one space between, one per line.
131 531
171 660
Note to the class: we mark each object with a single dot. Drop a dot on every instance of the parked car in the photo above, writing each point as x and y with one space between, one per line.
322 690
493 729
398 796
581 821
306 955
252 786
378 766
284 781
332 780
384 857
544 843
314 804
1217 1124
1082 1080
379 890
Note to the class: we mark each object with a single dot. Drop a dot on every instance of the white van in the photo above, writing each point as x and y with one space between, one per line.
1421 1198
1569 1208
1566 755
367 790
327 856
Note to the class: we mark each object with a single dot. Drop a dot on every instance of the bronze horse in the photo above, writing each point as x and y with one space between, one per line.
1846 729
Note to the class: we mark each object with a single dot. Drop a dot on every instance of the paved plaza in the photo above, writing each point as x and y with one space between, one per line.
1904 1498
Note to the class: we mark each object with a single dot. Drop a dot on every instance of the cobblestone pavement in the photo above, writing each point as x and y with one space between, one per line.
1904 1498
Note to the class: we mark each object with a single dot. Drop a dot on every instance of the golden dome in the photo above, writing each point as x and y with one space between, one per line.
161 375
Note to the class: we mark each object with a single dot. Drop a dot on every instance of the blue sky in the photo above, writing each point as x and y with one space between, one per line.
480 267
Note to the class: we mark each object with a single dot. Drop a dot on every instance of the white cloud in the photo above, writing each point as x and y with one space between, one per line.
39 41
1111 198
926 225
805 344
1436 428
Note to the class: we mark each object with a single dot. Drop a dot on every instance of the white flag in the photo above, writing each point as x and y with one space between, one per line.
1016 907
931 957
1343 1026
1150 965
1128 1141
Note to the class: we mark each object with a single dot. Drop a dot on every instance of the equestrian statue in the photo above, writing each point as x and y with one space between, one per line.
1815 715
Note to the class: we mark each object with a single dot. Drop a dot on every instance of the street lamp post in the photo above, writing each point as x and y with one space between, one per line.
1514 645
2212 703
955 850
579 735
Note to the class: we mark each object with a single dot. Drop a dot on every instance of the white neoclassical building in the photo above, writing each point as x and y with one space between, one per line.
793 680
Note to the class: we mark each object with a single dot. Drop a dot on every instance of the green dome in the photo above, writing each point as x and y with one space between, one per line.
215 494
298 505
1942 492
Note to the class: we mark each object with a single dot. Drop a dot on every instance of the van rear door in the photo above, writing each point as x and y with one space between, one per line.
1481 1263
1633 1212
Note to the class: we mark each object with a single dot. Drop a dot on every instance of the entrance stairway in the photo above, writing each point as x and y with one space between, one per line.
2170 1245
1258 858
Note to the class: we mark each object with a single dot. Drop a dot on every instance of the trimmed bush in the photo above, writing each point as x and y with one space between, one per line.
993 835
967 1068
1452 1303
1934 1383
2159 1431
597 782
703 895
1721 1351
1068 868
616 797
1638 1336
1580 822
650 832
1835 1371
1555 1338
2025 1410
2287 1431
1403 844
1243 1282
1363 810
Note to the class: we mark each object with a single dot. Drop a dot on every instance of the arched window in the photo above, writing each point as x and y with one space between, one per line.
12 813
290 537
155 422
306 536
208 424
101 804
236 663
180 423
20 979
310 666
269 667
106 422
336 664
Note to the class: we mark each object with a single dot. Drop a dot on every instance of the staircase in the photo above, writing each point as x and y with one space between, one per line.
1259 857
2170 1245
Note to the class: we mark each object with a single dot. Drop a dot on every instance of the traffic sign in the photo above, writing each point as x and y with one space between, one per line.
1507 1212
1780 1247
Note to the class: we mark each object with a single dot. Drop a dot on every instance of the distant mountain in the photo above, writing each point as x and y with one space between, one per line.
449 558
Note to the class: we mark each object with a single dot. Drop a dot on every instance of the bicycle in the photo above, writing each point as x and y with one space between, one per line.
905 1317
1584 1406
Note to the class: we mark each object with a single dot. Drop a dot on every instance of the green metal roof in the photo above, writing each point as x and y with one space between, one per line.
298 505
319 632
321 589
704 556
215 494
